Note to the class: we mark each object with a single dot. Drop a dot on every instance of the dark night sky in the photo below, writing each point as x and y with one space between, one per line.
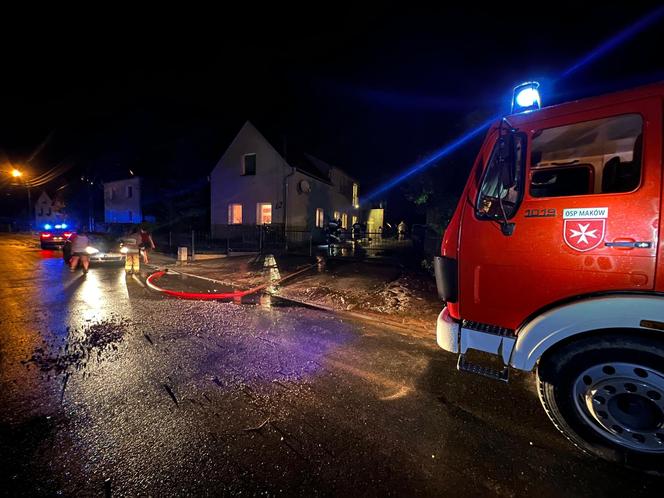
368 89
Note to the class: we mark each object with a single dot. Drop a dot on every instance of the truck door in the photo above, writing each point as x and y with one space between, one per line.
585 214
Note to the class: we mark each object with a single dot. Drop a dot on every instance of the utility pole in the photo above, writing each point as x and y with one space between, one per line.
16 173
29 206
91 214
89 184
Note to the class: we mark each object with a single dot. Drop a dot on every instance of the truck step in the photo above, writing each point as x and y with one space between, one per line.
489 372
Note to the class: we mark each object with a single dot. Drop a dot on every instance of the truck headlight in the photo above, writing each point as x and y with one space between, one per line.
124 250
91 250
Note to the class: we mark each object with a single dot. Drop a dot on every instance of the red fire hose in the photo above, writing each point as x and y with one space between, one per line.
198 295
211 296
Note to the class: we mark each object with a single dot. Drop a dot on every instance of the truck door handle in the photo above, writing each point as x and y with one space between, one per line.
628 244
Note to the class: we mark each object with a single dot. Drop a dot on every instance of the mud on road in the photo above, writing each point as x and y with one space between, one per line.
107 388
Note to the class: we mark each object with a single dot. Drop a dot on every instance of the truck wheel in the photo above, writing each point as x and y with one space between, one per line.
606 395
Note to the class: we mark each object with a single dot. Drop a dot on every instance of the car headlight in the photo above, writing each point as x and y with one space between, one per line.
91 250
124 250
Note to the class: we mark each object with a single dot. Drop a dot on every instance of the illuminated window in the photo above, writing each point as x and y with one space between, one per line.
344 220
319 218
264 213
337 215
249 164
353 219
356 195
235 214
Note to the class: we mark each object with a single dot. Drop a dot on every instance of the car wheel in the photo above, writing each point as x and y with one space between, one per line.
606 395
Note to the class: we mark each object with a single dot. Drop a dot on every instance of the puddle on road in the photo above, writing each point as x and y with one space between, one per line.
187 283
81 345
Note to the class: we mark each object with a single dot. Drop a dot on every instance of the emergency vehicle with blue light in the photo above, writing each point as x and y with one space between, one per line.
54 236
552 263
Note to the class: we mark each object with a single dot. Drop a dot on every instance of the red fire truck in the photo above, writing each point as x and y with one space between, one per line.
552 263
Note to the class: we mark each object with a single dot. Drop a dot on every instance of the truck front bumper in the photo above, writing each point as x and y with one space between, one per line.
453 337
447 332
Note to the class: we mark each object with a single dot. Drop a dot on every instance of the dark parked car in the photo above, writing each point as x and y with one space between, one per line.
103 248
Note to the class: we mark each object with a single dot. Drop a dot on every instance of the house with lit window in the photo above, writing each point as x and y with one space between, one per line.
255 184
122 201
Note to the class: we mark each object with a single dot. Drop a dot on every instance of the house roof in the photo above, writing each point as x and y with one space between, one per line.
309 165
121 179
297 158
51 194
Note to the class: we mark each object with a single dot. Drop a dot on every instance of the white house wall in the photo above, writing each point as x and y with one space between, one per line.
229 186
119 208
302 206
47 212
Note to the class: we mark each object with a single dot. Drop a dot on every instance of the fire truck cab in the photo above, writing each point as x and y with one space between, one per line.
552 263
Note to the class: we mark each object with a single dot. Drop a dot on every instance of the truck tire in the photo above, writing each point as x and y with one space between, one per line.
606 395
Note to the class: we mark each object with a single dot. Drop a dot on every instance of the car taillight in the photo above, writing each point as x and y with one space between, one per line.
67 235
45 235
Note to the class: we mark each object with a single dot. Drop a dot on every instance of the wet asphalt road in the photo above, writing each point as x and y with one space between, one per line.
107 388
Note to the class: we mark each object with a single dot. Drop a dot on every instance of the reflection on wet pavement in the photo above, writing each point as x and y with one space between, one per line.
127 392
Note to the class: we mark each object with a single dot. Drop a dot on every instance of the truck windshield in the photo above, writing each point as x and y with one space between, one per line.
591 157
501 189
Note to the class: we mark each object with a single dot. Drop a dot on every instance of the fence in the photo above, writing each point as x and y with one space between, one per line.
421 242
229 239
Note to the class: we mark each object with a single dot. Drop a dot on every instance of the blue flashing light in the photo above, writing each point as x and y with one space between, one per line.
433 158
526 97
58 226
620 38
47 227
64 225
610 44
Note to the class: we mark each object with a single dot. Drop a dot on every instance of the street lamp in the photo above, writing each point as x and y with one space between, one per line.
16 173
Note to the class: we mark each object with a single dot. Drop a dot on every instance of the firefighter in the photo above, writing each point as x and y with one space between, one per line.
357 231
131 247
79 244
401 230
147 244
